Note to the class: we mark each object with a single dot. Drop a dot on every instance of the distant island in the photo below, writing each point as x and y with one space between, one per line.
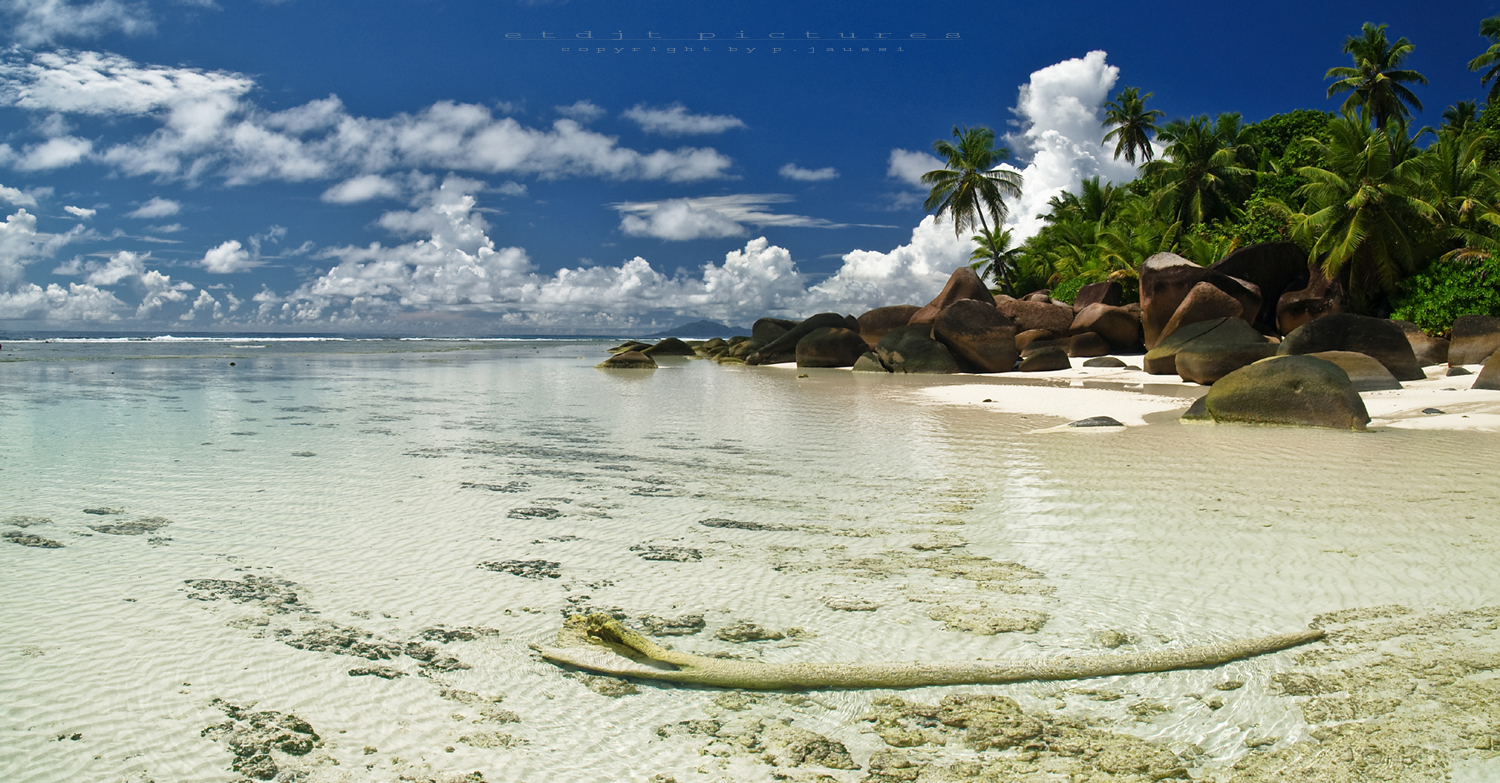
700 329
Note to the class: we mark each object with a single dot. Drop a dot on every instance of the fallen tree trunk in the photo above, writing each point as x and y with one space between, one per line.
600 643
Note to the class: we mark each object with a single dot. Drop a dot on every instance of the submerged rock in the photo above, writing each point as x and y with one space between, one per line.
629 360
747 632
28 539
138 527
526 569
1291 390
1096 421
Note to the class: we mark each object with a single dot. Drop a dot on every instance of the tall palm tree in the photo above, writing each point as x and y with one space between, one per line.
1199 176
1376 84
971 185
1366 218
1465 192
1132 123
1489 28
995 258
1459 118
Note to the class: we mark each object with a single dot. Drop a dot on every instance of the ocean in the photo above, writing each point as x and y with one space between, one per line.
311 559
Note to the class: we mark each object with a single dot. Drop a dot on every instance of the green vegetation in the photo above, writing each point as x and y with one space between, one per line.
1406 219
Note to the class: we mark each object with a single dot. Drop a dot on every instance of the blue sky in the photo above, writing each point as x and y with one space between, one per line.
421 166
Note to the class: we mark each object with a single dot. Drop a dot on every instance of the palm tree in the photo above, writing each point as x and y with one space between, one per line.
1465 192
972 185
1199 176
1489 28
1366 217
1459 118
1132 125
995 258
1376 85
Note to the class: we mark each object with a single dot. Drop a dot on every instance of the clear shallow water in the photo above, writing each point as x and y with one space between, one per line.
373 481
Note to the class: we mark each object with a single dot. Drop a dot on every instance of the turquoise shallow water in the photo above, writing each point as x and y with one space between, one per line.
253 533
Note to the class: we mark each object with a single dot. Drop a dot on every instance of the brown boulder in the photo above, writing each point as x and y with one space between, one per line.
1320 298
1204 302
1274 268
1030 336
1429 350
964 283
766 330
1292 390
874 324
1489 377
830 346
784 348
671 346
628 360
1028 315
1364 372
1375 337
1220 332
1046 359
978 335
1086 345
1115 324
1165 279
1475 339
1205 362
911 349
1107 292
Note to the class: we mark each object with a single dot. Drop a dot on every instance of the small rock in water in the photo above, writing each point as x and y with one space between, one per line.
27 521
527 569
1096 421
737 525
1104 361
104 511
850 603
534 512
383 672
685 625
675 554
1112 638
138 527
747 632
27 539
1433 411
1454 372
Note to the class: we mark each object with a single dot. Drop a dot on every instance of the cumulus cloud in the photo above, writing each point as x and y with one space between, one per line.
40 22
157 207
680 220
710 216
121 266
582 111
228 258
364 188
80 212
676 121
793 171
207 127
453 266
205 306
54 153
1060 111
75 303
17 198
21 243
909 166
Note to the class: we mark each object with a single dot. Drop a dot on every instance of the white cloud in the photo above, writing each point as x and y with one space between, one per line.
208 128
582 111
909 166
157 207
709 216
16 197
680 220
512 189
160 291
228 258
54 153
909 274
793 171
21 243
80 212
39 22
363 188
1060 114
62 305
675 120
205 305
170 228
121 266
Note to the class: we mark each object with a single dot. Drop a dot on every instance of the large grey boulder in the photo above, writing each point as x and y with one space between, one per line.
1107 292
628 360
1289 390
1374 337
911 349
1028 315
784 348
766 330
1217 334
876 323
1045 359
1489 377
1274 268
671 346
1117 325
1205 361
1475 339
978 335
1364 372
1203 302
1430 351
830 346
964 283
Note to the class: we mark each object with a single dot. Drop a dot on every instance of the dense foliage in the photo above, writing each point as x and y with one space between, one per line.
1406 218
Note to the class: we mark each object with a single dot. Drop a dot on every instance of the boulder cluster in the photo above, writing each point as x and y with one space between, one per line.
1258 307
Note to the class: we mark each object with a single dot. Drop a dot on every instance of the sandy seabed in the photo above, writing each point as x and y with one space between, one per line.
332 569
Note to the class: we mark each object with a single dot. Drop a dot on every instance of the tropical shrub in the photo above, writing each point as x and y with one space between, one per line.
1448 289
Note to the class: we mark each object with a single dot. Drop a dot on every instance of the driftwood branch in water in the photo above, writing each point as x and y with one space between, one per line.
600 643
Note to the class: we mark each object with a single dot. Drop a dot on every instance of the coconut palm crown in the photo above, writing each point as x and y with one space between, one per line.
1132 123
1376 84
970 186
1489 28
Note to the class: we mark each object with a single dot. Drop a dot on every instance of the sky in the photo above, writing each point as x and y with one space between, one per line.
523 167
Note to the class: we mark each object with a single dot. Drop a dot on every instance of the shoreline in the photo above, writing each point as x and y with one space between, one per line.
1130 396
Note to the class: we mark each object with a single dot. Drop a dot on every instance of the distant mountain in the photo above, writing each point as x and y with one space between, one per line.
700 329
